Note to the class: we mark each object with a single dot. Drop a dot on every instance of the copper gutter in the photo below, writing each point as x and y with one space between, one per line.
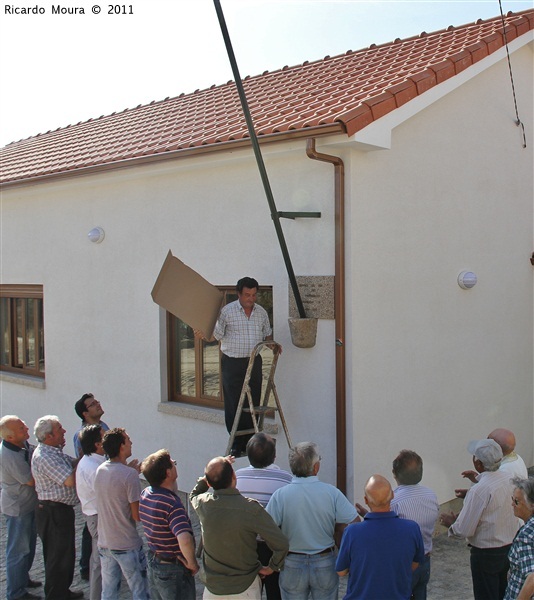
339 309
158 157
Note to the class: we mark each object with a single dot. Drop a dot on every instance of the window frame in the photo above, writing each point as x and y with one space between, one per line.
14 293
173 374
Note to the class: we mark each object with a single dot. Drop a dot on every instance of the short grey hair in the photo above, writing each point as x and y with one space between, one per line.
527 488
44 426
5 425
302 458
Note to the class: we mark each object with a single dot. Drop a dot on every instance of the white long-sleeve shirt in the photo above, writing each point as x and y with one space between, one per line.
487 519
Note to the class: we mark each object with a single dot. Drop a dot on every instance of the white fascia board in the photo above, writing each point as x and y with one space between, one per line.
378 135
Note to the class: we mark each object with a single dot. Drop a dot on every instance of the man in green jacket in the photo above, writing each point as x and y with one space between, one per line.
230 525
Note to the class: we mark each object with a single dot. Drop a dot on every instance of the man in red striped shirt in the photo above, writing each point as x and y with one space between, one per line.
171 546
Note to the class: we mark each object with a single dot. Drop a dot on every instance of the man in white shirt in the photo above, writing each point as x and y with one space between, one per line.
90 438
487 521
511 462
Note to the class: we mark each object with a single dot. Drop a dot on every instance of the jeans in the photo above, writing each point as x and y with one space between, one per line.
304 573
169 581
420 579
131 564
20 550
489 570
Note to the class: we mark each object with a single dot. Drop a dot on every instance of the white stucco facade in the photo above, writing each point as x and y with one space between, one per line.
429 365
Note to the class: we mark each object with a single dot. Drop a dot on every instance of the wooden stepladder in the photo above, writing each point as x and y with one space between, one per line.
258 412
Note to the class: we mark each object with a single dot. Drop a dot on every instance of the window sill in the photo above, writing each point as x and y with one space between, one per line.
210 415
28 380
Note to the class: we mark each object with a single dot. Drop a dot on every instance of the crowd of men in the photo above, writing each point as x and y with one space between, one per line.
262 527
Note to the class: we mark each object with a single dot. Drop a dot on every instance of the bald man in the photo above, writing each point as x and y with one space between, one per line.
230 526
17 501
511 462
380 553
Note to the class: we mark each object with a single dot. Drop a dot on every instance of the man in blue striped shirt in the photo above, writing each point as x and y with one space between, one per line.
416 502
171 556
259 481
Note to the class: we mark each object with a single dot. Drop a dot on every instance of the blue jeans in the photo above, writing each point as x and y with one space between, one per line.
20 550
420 579
304 574
169 581
131 564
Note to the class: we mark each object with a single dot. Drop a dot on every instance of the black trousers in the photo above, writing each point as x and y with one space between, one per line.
233 372
55 526
489 569
87 548
270 583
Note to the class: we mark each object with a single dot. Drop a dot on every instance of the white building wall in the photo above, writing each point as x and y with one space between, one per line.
102 330
434 366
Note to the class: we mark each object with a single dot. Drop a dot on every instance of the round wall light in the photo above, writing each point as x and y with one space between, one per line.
467 280
96 235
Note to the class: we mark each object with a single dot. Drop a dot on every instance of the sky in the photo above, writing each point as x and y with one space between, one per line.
60 69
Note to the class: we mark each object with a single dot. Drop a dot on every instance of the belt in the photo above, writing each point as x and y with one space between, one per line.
52 503
163 558
327 551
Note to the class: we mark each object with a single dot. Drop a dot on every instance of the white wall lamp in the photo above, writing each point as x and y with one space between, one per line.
96 235
467 280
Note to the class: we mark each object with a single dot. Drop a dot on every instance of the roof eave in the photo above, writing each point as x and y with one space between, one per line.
319 131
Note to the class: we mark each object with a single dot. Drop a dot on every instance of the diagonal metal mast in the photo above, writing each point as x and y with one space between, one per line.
259 159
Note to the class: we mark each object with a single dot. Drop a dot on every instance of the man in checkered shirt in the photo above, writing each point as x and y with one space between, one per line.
54 474
241 325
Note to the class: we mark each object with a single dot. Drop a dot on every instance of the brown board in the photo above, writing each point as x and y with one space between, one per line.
188 296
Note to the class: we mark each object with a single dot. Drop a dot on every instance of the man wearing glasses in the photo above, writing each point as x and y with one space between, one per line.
90 411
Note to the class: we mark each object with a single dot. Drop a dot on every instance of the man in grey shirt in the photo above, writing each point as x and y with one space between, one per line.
18 502
118 490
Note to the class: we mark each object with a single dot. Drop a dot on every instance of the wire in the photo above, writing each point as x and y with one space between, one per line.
518 120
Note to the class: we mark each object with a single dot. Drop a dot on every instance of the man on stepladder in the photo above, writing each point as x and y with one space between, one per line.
241 325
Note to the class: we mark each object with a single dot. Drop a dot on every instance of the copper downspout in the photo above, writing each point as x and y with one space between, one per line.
339 308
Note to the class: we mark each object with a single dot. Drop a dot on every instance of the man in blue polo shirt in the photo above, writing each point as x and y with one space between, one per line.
309 512
380 554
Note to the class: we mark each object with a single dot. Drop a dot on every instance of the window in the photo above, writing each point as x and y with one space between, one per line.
22 329
193 365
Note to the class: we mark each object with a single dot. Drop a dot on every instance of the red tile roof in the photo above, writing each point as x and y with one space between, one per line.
340 94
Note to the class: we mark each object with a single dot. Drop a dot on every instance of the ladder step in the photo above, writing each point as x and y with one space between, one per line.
258 410
244 432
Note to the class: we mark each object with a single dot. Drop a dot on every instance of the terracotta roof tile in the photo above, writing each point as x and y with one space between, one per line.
343 93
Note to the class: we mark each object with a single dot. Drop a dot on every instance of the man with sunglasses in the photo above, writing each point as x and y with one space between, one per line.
90 411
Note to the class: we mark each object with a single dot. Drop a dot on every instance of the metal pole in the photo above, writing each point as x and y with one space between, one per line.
259 159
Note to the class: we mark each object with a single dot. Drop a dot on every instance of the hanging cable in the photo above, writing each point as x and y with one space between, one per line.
518 122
